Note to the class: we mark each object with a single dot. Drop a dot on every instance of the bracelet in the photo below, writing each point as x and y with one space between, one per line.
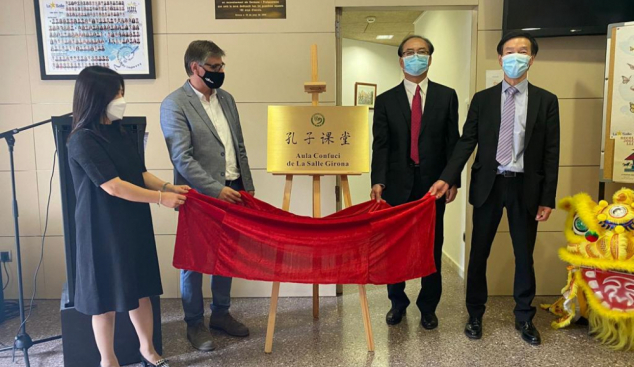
160 198
164 186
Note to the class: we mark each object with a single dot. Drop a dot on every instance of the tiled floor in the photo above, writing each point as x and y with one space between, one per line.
337 338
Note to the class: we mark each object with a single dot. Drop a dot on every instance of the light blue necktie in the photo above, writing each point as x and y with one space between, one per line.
505 143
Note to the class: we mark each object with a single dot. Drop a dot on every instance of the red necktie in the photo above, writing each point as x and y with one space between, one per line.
417 116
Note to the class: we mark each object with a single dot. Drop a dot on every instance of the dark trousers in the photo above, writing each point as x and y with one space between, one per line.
506 193
431 286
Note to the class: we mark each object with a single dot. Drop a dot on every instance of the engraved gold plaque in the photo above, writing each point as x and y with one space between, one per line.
318 140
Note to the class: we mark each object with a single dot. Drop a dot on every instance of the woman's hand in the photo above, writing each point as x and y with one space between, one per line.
172 200
178 189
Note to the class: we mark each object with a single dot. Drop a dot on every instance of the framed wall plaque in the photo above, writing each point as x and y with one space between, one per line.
250 9
74 34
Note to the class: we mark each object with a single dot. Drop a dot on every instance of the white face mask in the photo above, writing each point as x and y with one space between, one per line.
115 109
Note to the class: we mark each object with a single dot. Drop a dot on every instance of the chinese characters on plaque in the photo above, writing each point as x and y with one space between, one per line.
326 138
79 33
314 140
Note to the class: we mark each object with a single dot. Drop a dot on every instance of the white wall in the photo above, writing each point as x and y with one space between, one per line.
373 63
450 32
282 49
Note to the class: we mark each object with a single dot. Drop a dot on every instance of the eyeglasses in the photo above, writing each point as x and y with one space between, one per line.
216 67
412 53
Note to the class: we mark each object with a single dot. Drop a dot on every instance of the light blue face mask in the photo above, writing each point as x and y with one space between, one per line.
416 65
515 65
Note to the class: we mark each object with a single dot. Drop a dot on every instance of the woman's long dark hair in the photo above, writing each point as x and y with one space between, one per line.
95 88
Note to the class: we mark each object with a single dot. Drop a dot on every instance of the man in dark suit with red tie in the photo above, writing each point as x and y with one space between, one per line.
415 130
515 126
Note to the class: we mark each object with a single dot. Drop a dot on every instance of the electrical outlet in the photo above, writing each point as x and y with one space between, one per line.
5 256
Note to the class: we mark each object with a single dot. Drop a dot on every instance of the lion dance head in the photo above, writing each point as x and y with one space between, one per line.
600 251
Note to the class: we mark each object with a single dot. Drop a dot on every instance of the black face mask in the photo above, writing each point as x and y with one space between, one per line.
213 79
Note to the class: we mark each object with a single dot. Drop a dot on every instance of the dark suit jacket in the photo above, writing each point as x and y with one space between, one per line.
541 154
391 162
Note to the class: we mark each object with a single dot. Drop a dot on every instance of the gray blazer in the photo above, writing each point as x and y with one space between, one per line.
195 148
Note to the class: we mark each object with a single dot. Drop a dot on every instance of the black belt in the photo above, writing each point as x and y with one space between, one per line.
509 174
229 182
413 165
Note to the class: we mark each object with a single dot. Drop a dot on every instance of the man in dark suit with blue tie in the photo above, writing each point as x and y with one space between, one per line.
515 126
415 130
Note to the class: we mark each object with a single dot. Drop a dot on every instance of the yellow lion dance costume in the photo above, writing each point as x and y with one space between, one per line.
600 252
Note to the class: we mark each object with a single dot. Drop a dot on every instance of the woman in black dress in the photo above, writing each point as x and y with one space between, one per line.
117 264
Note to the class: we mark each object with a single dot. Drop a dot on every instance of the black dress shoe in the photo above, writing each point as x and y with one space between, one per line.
473 329
394 316
429 321
225 322
529 332
199 337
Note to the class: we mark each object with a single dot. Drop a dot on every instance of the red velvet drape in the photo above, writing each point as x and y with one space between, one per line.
369 243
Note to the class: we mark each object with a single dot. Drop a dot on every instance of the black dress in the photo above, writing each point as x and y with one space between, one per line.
117 262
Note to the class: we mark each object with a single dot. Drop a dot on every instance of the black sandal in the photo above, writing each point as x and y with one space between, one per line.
161 363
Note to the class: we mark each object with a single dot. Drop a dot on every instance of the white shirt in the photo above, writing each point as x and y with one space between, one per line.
218 119
410 88
519 127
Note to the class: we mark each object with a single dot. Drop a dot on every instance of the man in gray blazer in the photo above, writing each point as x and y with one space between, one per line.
203 134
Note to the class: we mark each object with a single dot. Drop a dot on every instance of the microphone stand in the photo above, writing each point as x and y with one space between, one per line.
22 341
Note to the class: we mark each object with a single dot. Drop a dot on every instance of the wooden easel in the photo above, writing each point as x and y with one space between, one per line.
315 88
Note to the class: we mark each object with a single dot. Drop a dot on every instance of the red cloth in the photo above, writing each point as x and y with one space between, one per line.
417 116
369 243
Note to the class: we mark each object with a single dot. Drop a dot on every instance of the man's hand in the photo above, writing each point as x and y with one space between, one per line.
377 191
439 189
230 195
543 213
451 194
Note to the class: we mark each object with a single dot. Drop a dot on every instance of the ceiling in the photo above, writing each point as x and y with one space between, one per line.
398 23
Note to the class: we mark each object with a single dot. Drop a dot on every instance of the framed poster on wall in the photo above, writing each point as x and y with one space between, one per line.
364 94
74 34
